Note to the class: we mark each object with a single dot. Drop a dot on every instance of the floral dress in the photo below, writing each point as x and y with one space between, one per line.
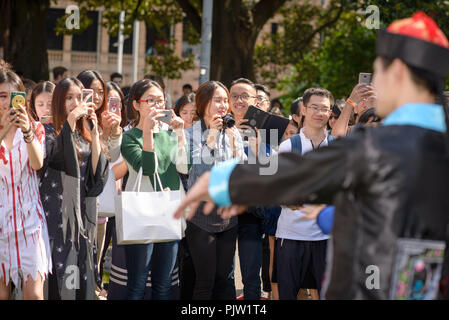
24 244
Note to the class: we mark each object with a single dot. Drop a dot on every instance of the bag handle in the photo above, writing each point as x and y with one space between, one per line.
138 182
156 174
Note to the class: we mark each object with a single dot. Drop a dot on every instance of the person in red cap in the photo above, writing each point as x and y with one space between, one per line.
388 184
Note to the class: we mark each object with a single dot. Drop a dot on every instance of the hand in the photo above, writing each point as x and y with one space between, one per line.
111 123
216 123
92 116
177 123
79 112
198 193
229 212
312 211
232 132
151 119
360 92
243 124
255 142
21 119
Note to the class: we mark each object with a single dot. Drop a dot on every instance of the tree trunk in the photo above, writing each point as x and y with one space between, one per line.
233 43
24 37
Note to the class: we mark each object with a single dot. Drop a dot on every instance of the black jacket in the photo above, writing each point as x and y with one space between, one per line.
387 183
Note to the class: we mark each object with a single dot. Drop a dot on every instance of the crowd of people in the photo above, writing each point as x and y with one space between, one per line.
59 150
51 213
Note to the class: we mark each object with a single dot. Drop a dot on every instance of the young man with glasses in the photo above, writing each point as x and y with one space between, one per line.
243 94
300 244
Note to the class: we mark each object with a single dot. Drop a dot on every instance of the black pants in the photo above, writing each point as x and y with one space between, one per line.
213 256
266 283
186 271
301 264
110 229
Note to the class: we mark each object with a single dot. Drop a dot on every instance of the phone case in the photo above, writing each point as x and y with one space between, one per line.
17 97
86 92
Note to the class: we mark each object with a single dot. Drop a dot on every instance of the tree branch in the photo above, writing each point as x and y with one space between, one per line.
323 26
264 10
192 14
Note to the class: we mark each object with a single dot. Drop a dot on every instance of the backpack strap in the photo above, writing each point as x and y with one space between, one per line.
296 144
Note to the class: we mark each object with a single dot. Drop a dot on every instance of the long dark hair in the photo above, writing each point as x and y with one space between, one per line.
58 110
112 86
87 77
43 86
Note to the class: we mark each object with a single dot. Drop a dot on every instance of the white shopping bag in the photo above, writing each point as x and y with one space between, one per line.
106 199
146 217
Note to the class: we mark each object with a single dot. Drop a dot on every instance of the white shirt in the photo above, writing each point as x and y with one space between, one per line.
291 224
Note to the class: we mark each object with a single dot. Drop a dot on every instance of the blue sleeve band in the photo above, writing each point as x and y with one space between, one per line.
325 219
219 182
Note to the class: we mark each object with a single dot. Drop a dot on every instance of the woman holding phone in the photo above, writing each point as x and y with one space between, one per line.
110 138
74 174
151 149
118 169
25 258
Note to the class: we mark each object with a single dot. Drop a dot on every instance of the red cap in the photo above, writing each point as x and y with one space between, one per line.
420 26
418 42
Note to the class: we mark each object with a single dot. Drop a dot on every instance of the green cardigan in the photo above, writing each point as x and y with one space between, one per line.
165 147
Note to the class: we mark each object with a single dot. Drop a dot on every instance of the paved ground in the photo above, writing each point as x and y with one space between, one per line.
237 274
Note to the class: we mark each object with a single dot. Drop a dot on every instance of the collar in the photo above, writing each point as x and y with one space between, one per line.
301 132
424 115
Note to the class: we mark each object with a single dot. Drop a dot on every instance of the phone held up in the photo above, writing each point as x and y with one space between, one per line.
87 93
45 119
167 116
87 96
365 78
17 98
114 105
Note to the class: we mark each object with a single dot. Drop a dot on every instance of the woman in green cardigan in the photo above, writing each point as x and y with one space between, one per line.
149 147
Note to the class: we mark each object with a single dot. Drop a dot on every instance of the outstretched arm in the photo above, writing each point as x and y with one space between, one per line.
313 178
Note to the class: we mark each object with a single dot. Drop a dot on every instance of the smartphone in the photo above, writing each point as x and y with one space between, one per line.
167 116
87 93
365 78
45 119
17 97
114 105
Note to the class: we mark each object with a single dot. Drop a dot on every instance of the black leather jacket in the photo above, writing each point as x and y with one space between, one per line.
387 183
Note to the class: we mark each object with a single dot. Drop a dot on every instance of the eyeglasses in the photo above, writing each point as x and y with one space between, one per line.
153 102
319 110
245 97
261 98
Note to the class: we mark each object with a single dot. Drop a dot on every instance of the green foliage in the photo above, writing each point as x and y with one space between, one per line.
166 63
291 64
157 14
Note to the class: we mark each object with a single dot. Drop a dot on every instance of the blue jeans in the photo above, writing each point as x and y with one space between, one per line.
250 256
160 258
